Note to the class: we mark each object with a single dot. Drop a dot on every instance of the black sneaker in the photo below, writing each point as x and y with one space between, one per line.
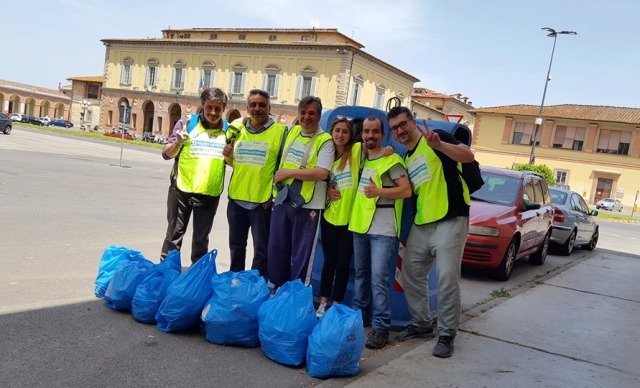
416 332
444 347
376 340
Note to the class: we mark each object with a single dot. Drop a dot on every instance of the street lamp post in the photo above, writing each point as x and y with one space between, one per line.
85 105
554 34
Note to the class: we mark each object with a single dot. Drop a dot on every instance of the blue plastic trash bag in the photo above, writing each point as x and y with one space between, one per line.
113 258
187 295
336 344
231 315
124 282
150 293
286 320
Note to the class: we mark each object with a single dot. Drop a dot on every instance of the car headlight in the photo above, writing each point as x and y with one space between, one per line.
484 231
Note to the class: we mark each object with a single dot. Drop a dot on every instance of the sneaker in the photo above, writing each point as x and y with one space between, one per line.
444 347
321 309
376 340
416 332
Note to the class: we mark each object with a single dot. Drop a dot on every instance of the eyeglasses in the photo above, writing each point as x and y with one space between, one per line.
344 118
402 125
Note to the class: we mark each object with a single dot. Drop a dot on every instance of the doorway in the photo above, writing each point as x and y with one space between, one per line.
603 189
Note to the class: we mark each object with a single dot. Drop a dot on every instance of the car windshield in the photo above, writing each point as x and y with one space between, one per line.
558 197
607 200
498 189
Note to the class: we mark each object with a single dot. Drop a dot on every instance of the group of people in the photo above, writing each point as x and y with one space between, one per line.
352 189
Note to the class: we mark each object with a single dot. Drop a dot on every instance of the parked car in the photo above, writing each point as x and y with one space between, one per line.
573 222
34 120
45 120
610 204
61 123
511 217
5 124
16 117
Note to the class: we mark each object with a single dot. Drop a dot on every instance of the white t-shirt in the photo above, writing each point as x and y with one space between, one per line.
325 160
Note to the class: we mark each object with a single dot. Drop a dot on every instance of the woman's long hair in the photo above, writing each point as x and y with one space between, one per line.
346 155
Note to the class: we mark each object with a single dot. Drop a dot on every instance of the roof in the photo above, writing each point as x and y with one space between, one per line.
428 93
32 89
94 78
570 111
271 30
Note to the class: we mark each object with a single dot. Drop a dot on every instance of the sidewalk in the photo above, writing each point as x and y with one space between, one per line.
580 328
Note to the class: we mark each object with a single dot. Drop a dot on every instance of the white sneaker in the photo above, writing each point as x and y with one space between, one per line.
321 310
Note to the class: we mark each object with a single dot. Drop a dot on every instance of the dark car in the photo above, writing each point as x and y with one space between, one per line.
34 120
573 221
5 124
511 217
60 123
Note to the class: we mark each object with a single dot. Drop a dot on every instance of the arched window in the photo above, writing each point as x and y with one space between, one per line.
238 79
306 82
271 80
151 75
126 71
179 75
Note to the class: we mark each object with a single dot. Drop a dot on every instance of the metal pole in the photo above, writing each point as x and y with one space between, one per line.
124 123
532 156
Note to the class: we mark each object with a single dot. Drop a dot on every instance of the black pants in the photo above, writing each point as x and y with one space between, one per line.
240 221
180 205
337 246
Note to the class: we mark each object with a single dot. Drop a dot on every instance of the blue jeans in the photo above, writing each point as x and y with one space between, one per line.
371 257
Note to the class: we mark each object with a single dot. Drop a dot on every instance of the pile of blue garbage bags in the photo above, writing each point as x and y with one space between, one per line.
233 308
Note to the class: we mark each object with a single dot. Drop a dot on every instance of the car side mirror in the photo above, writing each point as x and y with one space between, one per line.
594 212
532 206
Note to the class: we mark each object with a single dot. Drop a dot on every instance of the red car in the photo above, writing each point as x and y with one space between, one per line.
511 217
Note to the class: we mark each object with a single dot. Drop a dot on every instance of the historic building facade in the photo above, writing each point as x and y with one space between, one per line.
33 100
595 150
86 93
156 81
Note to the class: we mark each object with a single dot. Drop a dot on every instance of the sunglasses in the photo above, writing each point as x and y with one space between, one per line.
344 118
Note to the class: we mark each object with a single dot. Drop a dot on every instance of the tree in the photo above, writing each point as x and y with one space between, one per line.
541 169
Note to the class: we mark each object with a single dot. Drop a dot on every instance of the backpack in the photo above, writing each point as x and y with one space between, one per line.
471 175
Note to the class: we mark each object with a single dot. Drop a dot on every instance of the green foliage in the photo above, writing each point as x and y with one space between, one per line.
541 169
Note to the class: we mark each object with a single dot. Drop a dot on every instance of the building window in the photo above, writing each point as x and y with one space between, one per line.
179 75
207 75
93 90
561 177
271 80
242 37
213 37
356 90
238 79
306 38
614 142
184 36
151 75
272 38
126 71
306 85
378 97
523 132
110 118
570 138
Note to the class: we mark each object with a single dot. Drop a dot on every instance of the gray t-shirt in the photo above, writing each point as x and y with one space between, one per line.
384 219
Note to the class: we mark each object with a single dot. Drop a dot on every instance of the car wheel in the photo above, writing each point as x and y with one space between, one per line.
593 242
540 255
567 247
620 209
503 272
7 130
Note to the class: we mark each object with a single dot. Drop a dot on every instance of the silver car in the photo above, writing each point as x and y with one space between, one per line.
573 222
610 204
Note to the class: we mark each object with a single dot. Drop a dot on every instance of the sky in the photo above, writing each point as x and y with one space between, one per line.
492 51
